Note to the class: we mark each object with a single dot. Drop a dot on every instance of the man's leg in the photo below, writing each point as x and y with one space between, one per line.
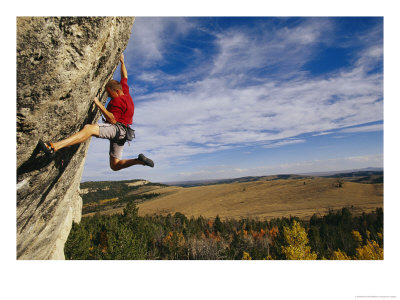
118 164
79 137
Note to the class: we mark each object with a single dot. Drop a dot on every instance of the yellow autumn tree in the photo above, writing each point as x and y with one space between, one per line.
340 255
297 240
246 256
370 251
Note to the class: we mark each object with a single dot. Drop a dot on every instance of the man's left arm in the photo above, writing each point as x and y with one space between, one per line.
124 72
108 115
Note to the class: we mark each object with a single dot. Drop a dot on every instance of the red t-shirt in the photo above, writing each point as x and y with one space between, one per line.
122 107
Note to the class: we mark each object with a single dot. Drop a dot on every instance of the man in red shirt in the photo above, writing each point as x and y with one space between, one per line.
118 115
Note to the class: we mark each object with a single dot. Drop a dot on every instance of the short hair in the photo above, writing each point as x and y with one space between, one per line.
114 85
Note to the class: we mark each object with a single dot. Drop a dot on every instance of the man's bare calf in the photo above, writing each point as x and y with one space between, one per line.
118 164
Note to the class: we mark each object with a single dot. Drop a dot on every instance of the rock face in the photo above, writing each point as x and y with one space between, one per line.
62 64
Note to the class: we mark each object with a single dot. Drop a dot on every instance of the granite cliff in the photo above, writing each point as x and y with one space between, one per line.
62 64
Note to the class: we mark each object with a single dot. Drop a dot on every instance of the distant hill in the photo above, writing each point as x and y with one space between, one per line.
367 175
194 183
330 173
360 176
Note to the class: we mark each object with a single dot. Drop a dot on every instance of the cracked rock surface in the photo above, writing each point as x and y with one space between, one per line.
62 64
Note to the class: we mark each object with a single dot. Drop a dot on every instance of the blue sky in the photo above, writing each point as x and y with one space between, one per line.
240 96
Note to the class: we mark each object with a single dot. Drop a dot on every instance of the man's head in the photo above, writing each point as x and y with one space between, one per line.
114 89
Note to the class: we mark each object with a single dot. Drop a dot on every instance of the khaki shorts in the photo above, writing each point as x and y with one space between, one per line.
109 131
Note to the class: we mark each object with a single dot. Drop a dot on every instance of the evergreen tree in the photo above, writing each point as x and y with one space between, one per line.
218 226
78 243
123 244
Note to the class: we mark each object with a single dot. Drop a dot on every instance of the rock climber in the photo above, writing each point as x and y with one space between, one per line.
118 116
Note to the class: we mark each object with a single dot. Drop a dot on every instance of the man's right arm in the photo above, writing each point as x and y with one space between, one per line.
107 114
124 73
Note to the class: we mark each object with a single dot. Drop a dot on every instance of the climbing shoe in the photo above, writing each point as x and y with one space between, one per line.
47 148
145 160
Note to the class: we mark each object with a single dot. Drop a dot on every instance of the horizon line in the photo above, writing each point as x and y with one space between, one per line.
331 172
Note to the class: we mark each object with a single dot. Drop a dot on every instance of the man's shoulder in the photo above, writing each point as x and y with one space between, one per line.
117 101
121 100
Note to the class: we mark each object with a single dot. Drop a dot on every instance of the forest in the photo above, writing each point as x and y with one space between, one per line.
106 195
338 235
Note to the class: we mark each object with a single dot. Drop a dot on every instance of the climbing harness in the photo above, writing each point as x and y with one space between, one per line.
129 133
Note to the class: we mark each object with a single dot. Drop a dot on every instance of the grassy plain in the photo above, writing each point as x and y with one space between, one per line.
266 199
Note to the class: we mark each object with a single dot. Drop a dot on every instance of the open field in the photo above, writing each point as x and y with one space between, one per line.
263 197
266 199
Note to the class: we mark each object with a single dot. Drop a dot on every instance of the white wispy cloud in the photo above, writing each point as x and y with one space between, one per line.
284 143
369 128
288 48
322 133
150 39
